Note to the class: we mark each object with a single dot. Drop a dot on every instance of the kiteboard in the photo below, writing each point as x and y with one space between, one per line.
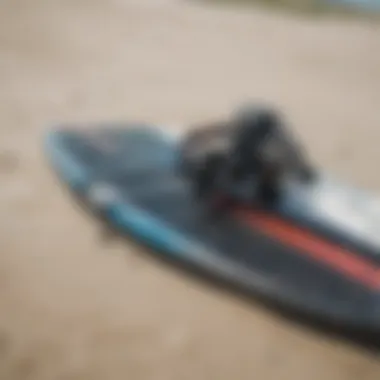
318 253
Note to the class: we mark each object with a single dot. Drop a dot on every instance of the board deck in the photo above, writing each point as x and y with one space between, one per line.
292 256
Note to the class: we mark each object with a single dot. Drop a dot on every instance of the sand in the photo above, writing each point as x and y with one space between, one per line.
74 307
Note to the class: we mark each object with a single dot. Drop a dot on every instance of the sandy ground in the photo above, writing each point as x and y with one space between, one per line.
74 308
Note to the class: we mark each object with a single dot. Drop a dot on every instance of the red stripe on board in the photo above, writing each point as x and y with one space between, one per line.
308 244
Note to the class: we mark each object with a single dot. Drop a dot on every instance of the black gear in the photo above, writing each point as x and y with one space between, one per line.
253 128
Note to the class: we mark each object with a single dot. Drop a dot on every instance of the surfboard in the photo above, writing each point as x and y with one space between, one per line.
317 253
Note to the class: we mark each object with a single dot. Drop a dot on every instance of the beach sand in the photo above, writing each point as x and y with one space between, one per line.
75 307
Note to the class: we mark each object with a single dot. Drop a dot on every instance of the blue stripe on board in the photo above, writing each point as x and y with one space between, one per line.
152 230
66 166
